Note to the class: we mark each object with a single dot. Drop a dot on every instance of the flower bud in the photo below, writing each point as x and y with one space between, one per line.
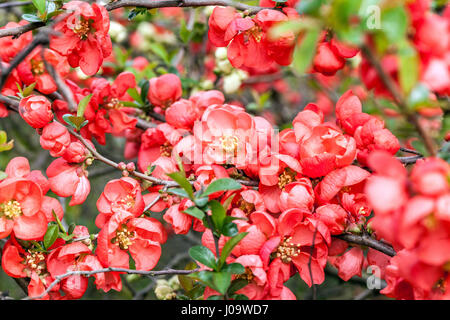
55 138
164 90
36 111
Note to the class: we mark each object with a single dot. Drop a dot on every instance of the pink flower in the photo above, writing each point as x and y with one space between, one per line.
36 111
55 138
68 180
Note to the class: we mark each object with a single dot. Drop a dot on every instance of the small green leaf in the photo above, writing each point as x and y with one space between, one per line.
185 34
234 268
222 185
40 5
221 281
178 192
135 95
65 236
83 104
409 67
31 18
305 51
229 229
160 51
215 297
236 285
309 7
394 23
228 247
218 214
203 255
74 121
183 182
28 90
201 202
195 212
51 235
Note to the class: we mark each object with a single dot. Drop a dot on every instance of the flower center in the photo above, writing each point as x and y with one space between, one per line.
247 275
255 31
286 177
11 209
229 143
286 250
166 149
37 67
123 238
245 206
127 202
114 103
82 28
35 261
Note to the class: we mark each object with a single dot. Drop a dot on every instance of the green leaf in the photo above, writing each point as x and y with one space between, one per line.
229 229
83 104
201 202
419 96
65 236
237 285
145 86
185 33
394 23
40 5
74 121
195 212
228 247
135 95
309 7
31 18
178 192
239 297
187 283
203 276
305 51
51 235
222 185
160 51
234 268
215 297
221 281
409 67
218 214
28 90
183 182
203 255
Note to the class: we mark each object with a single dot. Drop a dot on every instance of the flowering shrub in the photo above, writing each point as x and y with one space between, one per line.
277 139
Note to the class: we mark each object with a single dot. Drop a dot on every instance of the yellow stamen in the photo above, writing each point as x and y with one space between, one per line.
286 250
11 209
124 238
286 177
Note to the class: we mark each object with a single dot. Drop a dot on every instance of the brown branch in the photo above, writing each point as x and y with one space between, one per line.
368 241
399 99
12 4
152 4
61 277
18 31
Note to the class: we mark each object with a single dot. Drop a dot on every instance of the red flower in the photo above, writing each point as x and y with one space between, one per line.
123 234
68 180
11 46
20 204
164 90
55 138
119 194
182 114
330 57
36 111
20 263
85 40
32 69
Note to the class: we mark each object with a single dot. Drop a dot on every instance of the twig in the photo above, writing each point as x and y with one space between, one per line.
313 286
59 278
18 31
368 241
151 4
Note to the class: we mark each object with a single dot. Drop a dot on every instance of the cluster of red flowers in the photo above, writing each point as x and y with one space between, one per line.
301 187
414 218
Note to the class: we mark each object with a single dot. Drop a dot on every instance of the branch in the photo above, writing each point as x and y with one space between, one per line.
151 4
59 278
40 39
12 4
399 99
18 31
368 241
